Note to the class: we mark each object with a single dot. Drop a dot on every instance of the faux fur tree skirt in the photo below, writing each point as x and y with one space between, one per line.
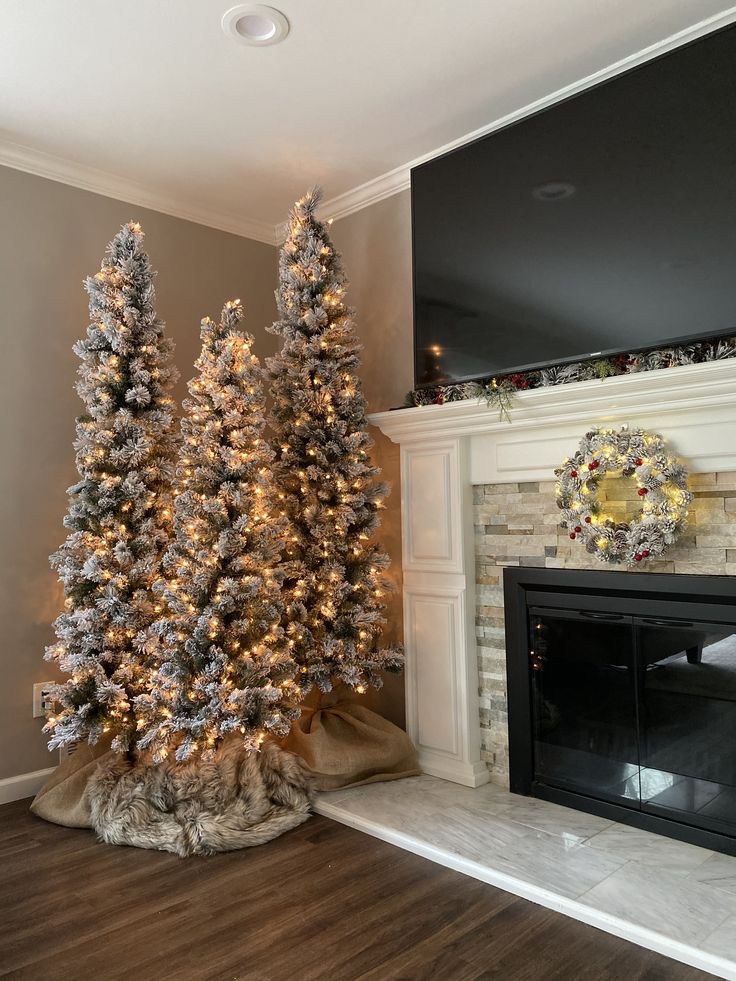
236 801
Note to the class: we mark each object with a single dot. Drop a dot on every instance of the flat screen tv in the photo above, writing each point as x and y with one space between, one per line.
605 223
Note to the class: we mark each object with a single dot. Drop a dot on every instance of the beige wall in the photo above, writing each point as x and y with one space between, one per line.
53 236
376 248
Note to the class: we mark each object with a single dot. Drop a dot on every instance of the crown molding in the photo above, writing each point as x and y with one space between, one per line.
399 179
280 231
54 168
378 188
110 185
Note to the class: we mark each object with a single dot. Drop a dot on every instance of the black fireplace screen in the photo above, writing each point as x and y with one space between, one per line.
629 699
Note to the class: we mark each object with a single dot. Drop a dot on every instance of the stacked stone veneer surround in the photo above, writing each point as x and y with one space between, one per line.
517 524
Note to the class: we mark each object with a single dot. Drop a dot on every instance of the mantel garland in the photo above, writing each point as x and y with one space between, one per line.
661 484
500 392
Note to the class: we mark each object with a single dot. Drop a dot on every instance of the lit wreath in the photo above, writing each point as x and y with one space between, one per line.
662 485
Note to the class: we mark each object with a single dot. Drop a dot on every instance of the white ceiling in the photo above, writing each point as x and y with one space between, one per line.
148 100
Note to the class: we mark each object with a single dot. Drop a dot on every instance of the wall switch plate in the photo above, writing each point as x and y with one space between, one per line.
42 701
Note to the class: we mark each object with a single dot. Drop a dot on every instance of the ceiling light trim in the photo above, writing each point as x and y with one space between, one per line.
270 15
64 171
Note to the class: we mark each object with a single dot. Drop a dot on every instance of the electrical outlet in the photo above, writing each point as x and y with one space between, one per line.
42 701
66 751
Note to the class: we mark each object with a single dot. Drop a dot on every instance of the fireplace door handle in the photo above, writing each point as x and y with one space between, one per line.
601 616
666 623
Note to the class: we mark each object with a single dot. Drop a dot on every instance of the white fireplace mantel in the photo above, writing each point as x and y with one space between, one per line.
445 449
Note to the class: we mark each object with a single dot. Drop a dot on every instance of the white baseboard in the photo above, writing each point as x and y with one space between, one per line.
23 785
456 771
576 909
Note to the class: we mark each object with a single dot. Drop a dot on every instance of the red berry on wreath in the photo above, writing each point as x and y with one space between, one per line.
572 535
588 519
578 529
573 473
638 557
646 553
638 461
642 492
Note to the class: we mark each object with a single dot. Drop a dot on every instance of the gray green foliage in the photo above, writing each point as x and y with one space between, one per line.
499 395
222 661
334 584
119 511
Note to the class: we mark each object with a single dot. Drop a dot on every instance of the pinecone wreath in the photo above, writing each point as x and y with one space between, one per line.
661 484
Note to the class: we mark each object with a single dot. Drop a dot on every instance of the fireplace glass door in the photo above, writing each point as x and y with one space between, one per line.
584 703
638 711
688 721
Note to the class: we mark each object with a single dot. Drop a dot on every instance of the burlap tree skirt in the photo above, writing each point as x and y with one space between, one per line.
235 801
64 798
239 799
343 744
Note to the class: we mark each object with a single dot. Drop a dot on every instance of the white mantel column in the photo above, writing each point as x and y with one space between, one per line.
439 610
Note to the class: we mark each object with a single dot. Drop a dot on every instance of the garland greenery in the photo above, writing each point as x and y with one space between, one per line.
499 394
500 391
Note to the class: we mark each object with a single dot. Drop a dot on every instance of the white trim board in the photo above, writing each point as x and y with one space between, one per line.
577 910
385 185
23 785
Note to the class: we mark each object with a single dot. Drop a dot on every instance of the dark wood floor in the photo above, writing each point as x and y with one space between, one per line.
322 902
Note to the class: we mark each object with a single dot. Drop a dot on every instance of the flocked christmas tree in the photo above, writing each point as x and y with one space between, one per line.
120 510
223 662
335 587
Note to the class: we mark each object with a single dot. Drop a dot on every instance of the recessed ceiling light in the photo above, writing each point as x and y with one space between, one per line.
553 191
255 23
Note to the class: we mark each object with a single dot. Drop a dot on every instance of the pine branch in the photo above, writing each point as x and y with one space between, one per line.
499 394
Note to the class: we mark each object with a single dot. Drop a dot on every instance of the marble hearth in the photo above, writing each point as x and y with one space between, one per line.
668 896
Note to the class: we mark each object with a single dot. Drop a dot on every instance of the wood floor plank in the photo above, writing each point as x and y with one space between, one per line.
322 902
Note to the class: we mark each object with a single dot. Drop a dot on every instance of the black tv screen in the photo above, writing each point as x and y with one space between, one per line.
605 223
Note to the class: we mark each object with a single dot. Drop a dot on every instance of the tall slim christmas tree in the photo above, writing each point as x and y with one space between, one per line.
120 510
329 489
223 659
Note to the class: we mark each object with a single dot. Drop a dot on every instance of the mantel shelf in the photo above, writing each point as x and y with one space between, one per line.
692 406
711 384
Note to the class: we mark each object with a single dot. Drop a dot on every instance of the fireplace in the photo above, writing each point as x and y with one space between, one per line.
477 497
622 697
